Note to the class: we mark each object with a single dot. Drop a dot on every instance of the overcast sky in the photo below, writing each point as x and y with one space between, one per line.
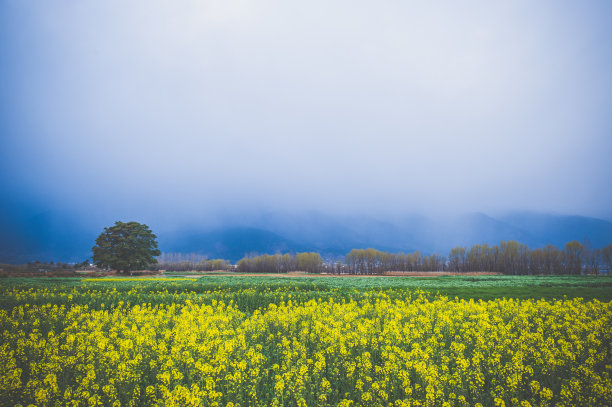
185 108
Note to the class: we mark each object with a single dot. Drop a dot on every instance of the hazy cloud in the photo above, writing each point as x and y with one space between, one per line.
138 107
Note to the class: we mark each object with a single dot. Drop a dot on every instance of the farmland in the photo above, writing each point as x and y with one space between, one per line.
263 340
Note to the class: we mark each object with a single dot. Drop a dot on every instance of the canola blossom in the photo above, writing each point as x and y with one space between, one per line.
396 348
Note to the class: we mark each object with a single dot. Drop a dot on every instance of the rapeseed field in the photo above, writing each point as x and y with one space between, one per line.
93 344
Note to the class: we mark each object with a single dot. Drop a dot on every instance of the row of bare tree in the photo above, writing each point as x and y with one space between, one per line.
282 263
372 261
191 262
516 258
509 257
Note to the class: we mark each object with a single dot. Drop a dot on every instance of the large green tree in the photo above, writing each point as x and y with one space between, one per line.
126 247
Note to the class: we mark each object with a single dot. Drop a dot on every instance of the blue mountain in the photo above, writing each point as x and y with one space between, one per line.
57 236
231 243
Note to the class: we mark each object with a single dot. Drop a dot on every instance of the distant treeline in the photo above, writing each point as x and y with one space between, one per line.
372 261
282 263
191 261
39 268
516 258
508 257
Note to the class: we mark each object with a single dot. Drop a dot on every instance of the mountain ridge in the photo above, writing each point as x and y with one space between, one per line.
54 236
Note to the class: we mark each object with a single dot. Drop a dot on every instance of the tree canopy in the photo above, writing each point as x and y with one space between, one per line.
126 247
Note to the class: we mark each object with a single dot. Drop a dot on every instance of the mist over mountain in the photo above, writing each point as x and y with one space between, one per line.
60 236
45 236
231 127
559 229
230 243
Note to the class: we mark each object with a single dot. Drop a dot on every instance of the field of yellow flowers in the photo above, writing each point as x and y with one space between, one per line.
91 344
